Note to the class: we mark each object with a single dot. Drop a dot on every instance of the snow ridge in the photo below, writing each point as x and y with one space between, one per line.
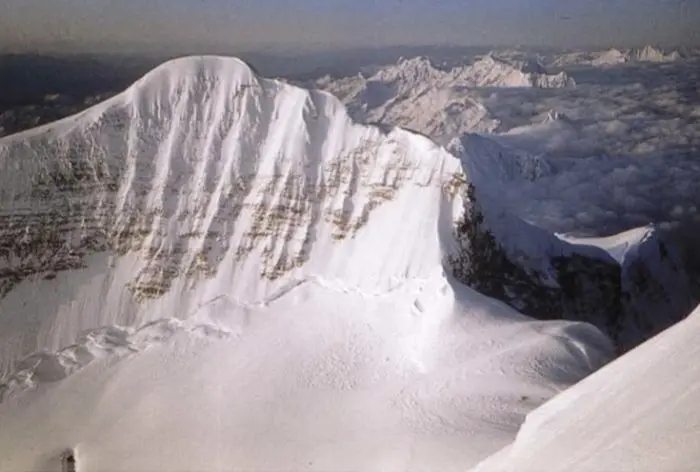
96 345
657 292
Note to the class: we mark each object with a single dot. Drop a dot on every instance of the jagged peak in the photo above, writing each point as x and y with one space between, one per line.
516 72
651 53
418 68
414 61
648 53
528 66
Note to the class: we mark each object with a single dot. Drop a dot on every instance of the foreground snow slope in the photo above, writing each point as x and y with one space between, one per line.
214 271
639 413
322 379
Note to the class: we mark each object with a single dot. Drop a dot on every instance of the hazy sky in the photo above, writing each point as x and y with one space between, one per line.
327 24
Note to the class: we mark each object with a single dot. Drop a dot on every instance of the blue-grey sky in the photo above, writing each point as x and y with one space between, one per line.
327 24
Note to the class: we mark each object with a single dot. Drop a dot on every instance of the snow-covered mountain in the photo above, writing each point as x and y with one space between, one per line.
492 71
637 413
611 57
203 172
447 107
651 54
212 270
215 271
615 56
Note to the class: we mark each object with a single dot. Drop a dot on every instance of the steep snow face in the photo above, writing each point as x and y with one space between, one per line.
637 413
447 107
202 171
491 165
222 272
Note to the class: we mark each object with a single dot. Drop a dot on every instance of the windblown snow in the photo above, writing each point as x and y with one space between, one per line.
215 271
638 413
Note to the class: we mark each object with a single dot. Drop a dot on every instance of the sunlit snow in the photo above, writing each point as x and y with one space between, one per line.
217 271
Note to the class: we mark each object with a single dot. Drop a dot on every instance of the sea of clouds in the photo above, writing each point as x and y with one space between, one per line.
624 148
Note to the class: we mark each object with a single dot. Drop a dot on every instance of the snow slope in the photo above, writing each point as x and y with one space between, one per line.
638 413
322 380
216 271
